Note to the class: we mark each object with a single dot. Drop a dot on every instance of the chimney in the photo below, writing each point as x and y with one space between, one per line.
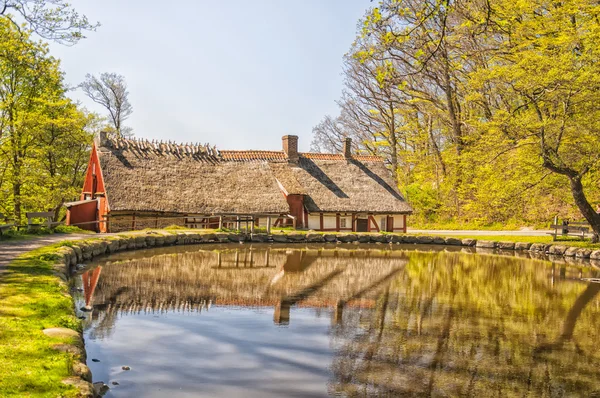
102 139
347 147
290 147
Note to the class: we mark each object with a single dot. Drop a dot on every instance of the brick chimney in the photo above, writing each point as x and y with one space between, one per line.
290 147
347 147
102 139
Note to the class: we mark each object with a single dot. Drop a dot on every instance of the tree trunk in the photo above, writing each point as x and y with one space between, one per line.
17 201
584 206
393 140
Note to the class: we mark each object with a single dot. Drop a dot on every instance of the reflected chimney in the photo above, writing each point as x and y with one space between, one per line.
347 147
290 147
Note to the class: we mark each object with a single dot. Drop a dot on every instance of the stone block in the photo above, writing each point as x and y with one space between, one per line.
330 238
379 238
453 242
557 250
235 238
208 237
469 242
112 246
222 237
486 244
81 370
522 246
280 238
595 255
571 252
410 239
297 237
396 239
259 238
131 242
150 240
538 247
99 247
424 240
584 253
140 242
506 245
170 239
314 238
347 238
85 388
438 240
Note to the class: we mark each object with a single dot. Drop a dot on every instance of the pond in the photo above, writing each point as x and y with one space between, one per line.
269 321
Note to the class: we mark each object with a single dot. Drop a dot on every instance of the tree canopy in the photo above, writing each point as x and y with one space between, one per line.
50 19
44 138
485 110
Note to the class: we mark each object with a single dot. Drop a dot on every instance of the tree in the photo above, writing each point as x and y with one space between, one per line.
50 19
110 91
493 106
42 133
545 70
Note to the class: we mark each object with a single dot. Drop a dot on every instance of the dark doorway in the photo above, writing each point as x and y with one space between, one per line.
362 225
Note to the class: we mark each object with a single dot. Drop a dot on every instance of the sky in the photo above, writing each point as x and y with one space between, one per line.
236 74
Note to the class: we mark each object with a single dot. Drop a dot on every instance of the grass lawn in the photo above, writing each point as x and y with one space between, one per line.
570 241
33 299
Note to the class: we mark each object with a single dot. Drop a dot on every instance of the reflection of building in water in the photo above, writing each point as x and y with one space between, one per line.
278 278
404 324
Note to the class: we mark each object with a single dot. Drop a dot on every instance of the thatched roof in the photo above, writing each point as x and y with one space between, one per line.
180 182
141 175
348 185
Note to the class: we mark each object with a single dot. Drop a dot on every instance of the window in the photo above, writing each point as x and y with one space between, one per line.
343 222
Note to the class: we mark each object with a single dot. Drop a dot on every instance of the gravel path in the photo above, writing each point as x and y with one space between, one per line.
11 249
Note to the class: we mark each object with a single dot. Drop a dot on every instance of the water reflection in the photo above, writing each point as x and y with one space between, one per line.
357 323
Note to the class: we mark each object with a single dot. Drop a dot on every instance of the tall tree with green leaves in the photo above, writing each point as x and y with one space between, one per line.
544 66
43 135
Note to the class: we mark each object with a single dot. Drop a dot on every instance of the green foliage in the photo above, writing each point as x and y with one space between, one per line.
486 111
44 137
70 229
175 227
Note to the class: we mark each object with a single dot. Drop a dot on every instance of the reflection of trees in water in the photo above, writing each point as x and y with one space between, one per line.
188 281
456 325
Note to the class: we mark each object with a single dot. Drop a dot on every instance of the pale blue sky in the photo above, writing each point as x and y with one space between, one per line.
237 74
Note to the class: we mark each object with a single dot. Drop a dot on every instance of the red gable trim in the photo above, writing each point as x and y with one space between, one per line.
93 169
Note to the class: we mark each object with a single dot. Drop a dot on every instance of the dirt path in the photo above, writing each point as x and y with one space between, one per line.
11 249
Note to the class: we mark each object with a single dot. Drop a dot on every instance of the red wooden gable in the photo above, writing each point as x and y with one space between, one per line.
94 182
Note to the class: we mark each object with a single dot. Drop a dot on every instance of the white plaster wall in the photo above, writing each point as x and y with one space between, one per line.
314 221
398 221
329 221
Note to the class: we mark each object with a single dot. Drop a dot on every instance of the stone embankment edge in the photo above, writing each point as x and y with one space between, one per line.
76 252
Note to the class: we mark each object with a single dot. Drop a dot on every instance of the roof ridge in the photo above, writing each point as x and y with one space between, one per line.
162 147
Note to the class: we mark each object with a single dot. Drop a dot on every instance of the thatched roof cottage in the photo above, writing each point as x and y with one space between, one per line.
134 184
